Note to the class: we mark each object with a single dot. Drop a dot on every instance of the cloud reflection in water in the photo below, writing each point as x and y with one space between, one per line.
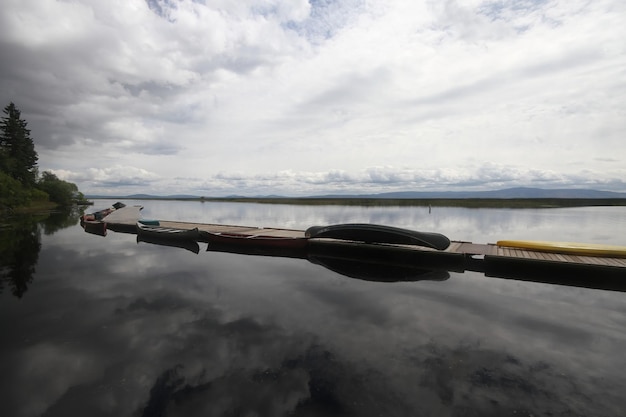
167 332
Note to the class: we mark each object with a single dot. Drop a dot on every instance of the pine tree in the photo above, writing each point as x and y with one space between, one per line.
18 157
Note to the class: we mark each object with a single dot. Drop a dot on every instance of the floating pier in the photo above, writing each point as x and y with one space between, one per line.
598 272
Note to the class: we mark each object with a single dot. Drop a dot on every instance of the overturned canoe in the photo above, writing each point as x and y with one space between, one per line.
374 233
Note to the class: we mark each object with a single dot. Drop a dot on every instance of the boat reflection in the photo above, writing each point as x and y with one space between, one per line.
370 271
373 263
190 245
274 251
329 256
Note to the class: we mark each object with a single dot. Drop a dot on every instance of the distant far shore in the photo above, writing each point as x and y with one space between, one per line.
378 202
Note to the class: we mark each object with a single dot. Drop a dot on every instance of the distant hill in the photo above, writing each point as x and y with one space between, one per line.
518 193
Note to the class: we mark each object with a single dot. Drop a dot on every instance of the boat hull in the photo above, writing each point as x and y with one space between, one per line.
166 233
94 227
373 233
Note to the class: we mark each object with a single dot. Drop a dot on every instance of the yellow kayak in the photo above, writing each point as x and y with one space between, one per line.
572 248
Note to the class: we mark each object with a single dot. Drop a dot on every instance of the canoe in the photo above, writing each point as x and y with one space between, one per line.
373 233
97 215
101 214
570 248
256 240
167 233
94 227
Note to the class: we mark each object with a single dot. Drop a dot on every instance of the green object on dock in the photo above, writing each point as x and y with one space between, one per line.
149 222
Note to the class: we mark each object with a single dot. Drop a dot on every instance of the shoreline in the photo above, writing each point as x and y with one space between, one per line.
396 202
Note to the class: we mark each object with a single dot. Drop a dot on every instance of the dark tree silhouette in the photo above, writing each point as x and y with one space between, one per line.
19 253
18 157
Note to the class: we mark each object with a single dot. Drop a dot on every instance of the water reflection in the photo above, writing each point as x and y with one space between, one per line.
379 266
370 271
57 220
190 245
117 328
20 244
177 334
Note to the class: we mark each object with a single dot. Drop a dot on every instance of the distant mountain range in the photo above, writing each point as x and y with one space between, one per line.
519 192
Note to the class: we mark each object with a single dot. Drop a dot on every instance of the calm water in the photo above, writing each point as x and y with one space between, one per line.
104 326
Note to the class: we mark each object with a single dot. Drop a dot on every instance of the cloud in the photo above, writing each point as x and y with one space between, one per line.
389 178
326 18
193 89
110 177
377 179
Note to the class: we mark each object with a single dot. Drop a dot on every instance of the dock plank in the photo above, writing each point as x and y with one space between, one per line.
454 247
125 215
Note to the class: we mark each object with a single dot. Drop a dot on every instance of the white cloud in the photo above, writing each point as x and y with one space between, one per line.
107 180
190 89
371 180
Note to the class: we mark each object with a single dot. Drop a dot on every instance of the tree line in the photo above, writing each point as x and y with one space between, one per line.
20 182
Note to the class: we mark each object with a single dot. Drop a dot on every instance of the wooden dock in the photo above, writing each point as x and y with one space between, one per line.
585 271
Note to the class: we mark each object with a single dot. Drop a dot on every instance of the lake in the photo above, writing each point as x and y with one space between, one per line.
106 326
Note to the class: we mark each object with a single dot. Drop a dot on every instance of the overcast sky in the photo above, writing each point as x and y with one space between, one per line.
311 97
